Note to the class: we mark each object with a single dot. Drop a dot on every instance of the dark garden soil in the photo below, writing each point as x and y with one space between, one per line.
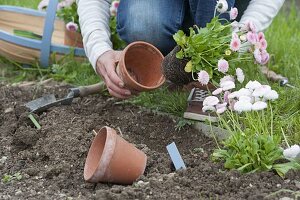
51 160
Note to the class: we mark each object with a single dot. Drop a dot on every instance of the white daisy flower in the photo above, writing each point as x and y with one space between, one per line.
261 91
242 106
208 108
222 6
210 101
259 105
292 152
252 85
240 75
217 91
227 85
271 95
245 98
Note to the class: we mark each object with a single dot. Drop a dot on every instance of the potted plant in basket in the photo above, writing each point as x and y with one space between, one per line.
67 10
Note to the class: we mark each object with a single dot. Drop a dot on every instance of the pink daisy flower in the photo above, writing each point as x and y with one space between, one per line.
261 36
257 56
223 66
265 56
115 4
231 103
114 8
263 44
68 3
235 26
71 26
203 77
221 110
251 26
235 36
225 97
235 44
62 4
233 13
43 5
252 37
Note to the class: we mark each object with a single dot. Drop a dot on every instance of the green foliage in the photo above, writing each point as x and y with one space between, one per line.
118 44
253 145
250 152
8 178
162 100
71 71
183 123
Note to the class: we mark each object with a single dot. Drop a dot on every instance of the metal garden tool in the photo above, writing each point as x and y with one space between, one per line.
45 102
283 81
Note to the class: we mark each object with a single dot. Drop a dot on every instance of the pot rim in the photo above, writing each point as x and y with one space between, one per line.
107 153
162 78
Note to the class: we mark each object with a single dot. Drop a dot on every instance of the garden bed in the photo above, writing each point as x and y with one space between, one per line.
51 160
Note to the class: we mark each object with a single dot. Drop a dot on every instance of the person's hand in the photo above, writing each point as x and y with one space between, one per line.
106 65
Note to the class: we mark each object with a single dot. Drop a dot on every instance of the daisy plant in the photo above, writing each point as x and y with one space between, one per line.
214 54
218 49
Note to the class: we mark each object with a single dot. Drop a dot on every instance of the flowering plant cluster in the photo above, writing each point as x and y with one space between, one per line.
253 96
217 49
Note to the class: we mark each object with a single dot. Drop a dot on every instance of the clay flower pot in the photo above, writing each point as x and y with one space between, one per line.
112 159
140 67
73 38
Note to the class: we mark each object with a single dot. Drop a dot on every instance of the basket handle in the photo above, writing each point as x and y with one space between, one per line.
48 31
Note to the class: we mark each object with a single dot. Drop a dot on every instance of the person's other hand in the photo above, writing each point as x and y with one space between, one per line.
106 67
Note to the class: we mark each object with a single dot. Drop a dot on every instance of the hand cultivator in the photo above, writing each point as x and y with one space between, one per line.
273 76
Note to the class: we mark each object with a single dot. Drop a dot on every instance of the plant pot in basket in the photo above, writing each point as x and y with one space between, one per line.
73 38
112 159
140 67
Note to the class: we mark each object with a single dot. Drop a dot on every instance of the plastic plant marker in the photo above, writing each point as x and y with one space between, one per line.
175 156
37 125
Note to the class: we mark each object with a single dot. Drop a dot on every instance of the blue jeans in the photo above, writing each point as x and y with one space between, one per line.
156 21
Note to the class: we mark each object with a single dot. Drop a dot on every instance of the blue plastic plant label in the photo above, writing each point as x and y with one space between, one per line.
175 156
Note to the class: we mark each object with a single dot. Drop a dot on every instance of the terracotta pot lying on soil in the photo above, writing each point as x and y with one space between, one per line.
140 67
73 39
112 159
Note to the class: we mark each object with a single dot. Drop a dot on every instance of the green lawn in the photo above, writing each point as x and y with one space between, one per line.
27 3
283 43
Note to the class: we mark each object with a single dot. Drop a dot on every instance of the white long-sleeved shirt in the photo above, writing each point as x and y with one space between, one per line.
94 22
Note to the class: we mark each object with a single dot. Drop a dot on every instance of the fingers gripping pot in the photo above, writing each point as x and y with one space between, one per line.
140 67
